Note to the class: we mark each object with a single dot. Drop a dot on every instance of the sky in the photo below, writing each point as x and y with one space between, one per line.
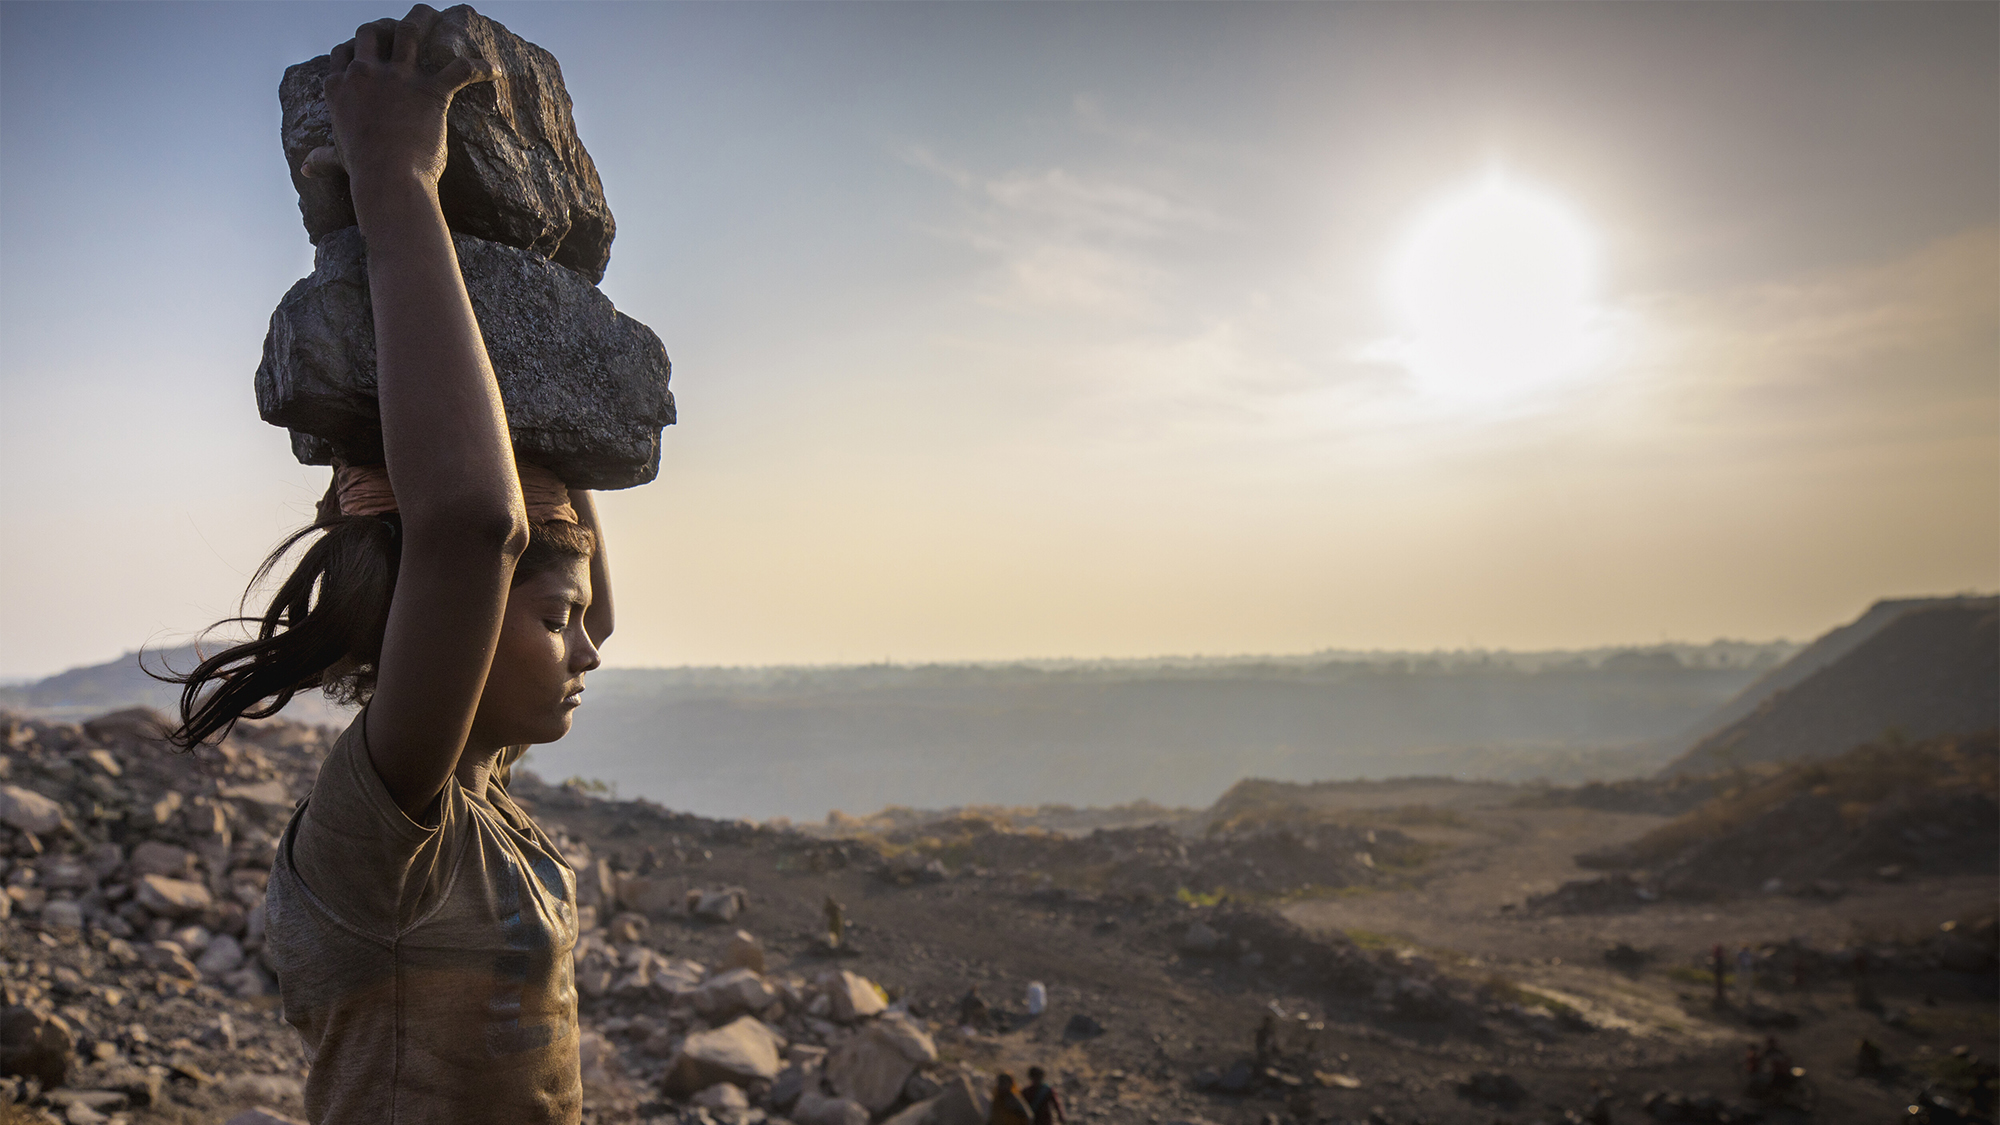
1033 330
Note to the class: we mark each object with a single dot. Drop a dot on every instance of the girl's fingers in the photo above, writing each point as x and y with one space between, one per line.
412 31
462 72
368 40
322 161
339 58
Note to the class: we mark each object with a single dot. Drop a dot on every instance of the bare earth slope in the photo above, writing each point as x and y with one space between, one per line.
1933 670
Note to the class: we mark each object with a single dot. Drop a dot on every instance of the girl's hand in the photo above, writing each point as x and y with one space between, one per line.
389 116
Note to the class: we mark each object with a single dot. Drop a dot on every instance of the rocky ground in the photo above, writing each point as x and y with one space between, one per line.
1370 954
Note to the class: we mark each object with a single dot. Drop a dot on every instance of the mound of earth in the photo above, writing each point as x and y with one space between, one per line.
1883 810
1932 670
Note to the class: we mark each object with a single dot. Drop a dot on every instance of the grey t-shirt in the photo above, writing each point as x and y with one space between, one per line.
426 965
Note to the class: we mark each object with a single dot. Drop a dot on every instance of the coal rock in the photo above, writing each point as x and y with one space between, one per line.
515 170
36 1045
584 385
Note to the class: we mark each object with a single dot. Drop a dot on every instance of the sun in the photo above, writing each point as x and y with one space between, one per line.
1494 294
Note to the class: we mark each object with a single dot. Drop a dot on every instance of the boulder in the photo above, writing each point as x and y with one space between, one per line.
223 956
744 951
629 927
732 993
962 1103
25 810
65 873
854 996
722 1095
34 1045
171 898
156 858
168 959
62 914
717 904
816 1108
585 386
132 724
269 797
515 170
648 894
791 1082
916 1113
873 1066
741 1052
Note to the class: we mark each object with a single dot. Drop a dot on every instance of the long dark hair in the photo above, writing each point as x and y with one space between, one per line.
323 628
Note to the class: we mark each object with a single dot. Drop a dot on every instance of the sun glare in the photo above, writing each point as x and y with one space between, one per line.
1493 292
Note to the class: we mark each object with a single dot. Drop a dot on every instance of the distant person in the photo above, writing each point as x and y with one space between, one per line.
1721 969
1042 1099
836 922
1267 1040
1008 1108
1867 1059
972 1010
421 923
1746 978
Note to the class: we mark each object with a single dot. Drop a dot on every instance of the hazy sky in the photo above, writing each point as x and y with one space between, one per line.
1046 330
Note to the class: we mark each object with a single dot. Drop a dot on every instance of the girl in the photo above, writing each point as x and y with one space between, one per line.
420 923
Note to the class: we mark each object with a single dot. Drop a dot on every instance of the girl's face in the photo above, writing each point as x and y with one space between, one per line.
536 682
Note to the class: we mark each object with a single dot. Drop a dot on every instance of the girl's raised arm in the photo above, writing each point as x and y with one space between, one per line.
444 433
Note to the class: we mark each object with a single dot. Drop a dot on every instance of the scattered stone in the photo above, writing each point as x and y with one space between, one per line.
921 1088
1081 1026
171 898
1492 1086
25 810
962 1103
584 386
723 1096
629 928
720 904
816 1108
744 951
732 993
262 1116
98 1101
853 996
62 914
140 1086
742 1051
647 894
873 1066
36 1045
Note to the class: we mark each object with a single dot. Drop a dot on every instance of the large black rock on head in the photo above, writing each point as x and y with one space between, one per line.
585 386
515 173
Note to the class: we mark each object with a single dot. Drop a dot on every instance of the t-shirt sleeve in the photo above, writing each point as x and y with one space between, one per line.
357 852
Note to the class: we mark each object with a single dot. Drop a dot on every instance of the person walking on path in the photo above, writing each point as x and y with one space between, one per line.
1721 966
421 923
1008 1108
1042 1099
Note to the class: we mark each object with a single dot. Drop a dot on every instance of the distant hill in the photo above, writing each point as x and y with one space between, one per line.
1920 669
798 742
1810 659
84 692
